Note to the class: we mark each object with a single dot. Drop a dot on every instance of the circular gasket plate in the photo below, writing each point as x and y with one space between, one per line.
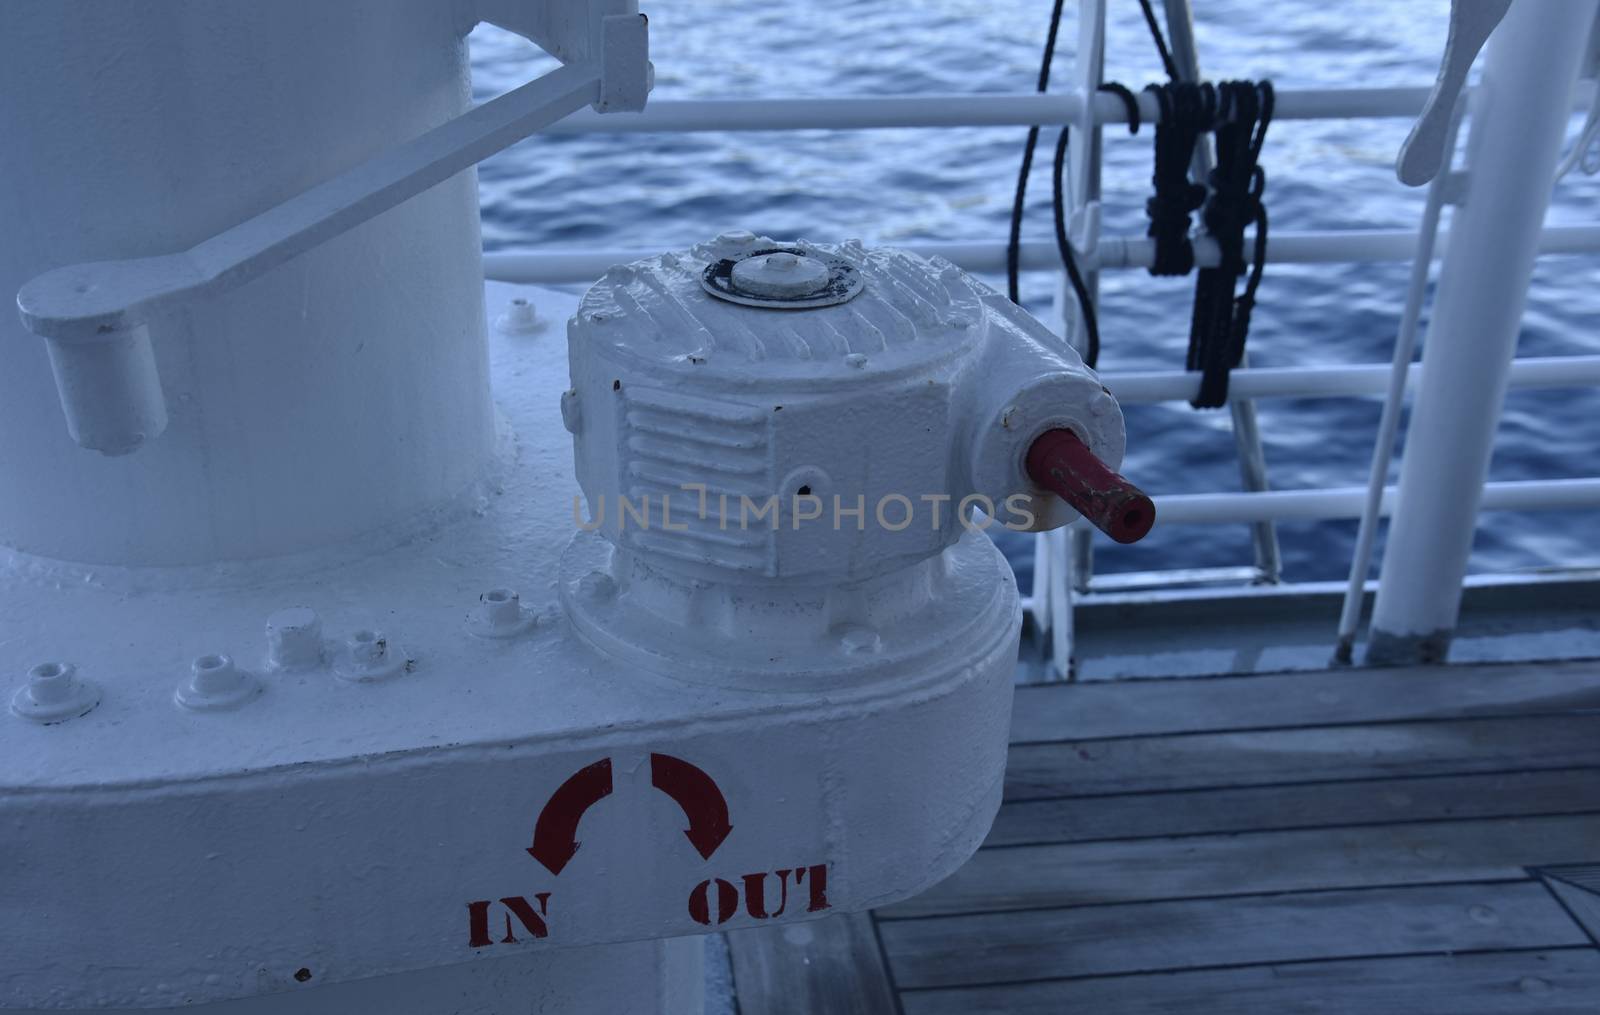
844 281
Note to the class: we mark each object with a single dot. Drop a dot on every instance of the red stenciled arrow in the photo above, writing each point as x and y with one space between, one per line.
555 834
699 796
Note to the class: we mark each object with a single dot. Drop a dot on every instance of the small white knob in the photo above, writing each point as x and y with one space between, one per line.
780 275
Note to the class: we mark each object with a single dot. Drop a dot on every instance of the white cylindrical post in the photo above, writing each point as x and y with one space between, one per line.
343 392
1519 118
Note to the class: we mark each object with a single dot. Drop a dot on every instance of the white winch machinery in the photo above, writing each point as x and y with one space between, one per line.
327 690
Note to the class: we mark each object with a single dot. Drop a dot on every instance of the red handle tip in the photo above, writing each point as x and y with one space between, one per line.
1062 463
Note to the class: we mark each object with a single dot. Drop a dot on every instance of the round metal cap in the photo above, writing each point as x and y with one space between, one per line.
782 278
782 275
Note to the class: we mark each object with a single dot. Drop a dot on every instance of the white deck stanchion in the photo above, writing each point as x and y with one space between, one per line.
1519 119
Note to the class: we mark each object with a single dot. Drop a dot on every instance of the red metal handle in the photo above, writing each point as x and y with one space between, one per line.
1061 462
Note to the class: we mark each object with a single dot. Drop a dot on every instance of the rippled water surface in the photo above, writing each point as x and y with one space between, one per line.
893 186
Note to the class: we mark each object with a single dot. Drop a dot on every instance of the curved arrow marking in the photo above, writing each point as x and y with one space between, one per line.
555 834
699 796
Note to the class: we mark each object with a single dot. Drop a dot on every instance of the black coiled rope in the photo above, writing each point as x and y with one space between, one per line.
1167 63
1187 110
1221 322
1069 260
1014 244
1238 113
1080 288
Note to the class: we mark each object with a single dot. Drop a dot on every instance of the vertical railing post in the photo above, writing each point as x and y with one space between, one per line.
1088 153
1405 349
1070 560
1519 118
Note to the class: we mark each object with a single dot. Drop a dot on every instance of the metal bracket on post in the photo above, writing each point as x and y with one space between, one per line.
96 316
626 76
1084 232
1423 153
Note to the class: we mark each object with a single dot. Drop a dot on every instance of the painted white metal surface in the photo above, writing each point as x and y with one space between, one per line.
297 708
343 393
85 302
1519 119
346 827
926 390
96 315
635 977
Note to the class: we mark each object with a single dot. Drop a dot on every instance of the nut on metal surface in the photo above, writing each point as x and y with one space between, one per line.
294 639
215 683
369 656
519 318
54 693
500 614
859 639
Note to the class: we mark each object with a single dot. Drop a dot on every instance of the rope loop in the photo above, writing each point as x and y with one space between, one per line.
1221 322
1237 113
1187 110
1129 103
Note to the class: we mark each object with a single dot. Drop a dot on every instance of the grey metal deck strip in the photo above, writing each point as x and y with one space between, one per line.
835 965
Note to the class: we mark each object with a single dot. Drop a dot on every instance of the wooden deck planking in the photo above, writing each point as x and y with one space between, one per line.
1384 800
1196 933
1275 757
1029 877
1347 841
1050 712
1565 982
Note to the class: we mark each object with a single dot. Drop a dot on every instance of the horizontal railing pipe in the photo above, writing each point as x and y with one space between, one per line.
1136 387
558 267
863 112
1348 501
1007 109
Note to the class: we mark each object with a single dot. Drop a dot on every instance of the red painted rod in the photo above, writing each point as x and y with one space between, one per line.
1060 462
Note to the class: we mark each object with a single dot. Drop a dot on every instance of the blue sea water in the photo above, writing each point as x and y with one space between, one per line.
897 186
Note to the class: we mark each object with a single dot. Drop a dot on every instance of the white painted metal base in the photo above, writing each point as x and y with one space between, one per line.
154 856
636 978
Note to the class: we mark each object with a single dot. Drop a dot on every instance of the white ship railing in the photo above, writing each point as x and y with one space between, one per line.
1050 605
1349 246
868 112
